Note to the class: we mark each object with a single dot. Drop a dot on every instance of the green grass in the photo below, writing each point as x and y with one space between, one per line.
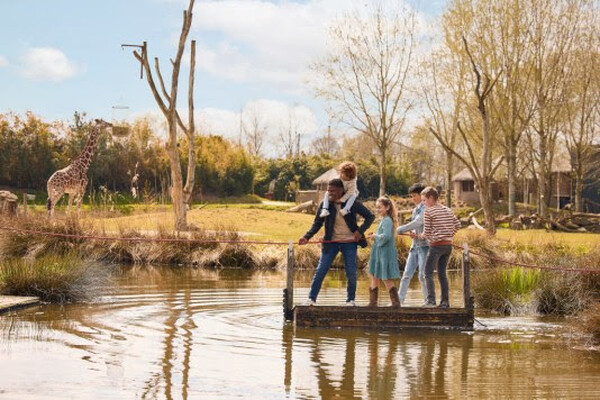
53 278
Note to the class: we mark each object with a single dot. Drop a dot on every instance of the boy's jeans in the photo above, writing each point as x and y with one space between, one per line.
437 256
328 253
416 259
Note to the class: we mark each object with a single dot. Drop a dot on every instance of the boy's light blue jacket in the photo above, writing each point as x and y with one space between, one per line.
416 224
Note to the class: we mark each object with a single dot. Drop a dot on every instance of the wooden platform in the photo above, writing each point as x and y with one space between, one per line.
383 317
380 317
8 303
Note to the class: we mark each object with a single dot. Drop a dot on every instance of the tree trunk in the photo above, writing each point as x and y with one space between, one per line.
448 183
511 161
176 180
382 171
543 180
485 197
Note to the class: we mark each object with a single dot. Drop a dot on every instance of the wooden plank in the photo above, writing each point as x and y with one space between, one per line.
384 317
8 303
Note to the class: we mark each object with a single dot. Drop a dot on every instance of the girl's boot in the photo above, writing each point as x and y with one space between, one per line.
373 297
394 297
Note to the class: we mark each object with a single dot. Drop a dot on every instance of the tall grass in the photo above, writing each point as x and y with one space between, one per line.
54 278
509 291
589 322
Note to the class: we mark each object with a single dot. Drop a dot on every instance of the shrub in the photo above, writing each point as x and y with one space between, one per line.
589 321
561 294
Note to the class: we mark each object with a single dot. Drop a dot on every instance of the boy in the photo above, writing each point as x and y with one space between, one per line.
419 248
439 226
348 173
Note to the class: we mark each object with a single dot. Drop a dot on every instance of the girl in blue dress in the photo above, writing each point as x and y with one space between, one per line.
383 264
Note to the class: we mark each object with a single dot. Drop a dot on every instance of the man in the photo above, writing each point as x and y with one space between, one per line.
439 226
345 232
418 249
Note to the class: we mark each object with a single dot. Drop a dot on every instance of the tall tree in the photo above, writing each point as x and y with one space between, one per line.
167 102
476 129
365 75
552 33
582 128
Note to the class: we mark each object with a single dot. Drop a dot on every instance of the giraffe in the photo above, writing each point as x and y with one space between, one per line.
73 178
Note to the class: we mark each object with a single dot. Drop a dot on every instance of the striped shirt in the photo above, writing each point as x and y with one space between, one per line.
440 225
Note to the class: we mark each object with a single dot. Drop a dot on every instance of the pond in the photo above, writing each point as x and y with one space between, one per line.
169 333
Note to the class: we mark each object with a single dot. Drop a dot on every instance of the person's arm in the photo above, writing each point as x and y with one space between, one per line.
366 214
317 224
412 225
387 234
427 221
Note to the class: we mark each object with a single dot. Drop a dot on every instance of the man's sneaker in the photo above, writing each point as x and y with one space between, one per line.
324 213
350 303
310 302
444 304
428 304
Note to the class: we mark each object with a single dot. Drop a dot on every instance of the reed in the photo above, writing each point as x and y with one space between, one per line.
54 278
508 291
589 322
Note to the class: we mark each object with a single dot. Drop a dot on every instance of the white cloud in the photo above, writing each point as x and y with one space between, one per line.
262 41
273 43
47 64
3 62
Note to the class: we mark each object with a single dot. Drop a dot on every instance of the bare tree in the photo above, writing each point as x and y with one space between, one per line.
255 129
512 102
443 82
364 76
288 134
167 102
480 137
583 111
552 33
326 145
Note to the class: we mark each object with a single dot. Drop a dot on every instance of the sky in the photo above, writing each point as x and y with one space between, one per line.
62 56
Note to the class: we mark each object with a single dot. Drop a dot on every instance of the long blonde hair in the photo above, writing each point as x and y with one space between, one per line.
391 209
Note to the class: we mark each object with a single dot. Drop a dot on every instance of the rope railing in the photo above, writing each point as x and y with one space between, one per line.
157 239
273 243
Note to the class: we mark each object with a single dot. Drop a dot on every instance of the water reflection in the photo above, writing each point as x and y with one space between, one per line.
167 333
361 364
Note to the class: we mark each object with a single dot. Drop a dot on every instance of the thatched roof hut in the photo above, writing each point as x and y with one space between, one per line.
321 182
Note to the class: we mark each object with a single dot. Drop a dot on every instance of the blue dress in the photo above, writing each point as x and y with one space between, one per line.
383 263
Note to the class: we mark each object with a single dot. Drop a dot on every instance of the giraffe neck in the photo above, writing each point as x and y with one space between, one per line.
85 157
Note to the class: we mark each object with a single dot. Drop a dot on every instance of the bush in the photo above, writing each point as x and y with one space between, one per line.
509 291
589 322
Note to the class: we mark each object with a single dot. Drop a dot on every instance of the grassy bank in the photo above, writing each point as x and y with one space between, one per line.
54 278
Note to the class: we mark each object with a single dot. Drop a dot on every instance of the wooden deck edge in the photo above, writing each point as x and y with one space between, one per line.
9 303
384 317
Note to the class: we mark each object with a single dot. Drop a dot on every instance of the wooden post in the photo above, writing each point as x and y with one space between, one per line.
466 261
288 292
24 203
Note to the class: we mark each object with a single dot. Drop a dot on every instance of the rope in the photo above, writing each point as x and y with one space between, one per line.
273 243
524 265
168 240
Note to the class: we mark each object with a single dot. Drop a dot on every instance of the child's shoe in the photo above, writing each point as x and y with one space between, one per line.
324 213
343 212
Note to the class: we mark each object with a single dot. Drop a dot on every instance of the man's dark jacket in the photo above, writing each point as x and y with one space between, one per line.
357 209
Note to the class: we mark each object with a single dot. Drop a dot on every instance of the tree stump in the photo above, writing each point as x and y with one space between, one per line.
8 203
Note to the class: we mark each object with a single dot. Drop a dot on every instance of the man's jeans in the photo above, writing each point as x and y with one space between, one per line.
437 256
328 253
416 259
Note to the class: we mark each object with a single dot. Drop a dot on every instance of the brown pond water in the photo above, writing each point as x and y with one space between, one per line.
164 333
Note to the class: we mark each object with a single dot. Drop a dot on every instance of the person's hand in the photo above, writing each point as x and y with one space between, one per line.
372 235
357 235
302 240
412 234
